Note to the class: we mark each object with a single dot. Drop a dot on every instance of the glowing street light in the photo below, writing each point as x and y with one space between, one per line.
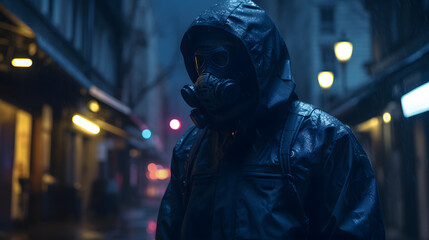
85 124
326 79
22 62
93 106
416 101
343 50
387 117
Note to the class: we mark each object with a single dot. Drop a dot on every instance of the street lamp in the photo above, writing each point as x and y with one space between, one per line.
343 51
21 62
86 124
387 117
326 79
93 106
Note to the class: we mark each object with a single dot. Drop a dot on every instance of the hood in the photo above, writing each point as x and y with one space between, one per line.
267 50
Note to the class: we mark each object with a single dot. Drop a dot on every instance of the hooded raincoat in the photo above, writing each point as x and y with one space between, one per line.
235 188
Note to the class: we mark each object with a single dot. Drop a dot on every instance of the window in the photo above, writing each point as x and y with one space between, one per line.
104 49
62 17
79 25
327 20
327 57
393 26
44 6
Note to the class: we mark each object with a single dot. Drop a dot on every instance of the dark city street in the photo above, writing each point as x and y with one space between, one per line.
214 119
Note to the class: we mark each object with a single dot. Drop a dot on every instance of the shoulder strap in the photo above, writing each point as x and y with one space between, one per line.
297 113
190 163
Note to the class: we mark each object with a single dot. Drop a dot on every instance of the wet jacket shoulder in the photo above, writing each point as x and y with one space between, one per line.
336 181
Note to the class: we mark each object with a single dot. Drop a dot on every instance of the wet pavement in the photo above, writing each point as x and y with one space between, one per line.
132 224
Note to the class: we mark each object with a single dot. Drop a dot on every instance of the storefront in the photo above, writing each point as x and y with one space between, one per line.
64 150
396 142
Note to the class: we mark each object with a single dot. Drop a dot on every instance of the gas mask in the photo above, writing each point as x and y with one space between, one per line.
218 92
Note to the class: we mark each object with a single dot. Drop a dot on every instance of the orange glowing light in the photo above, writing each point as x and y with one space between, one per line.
151 175
162 174
151 167
151 191
157 172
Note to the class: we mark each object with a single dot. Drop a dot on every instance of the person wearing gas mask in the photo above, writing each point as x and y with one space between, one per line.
259 164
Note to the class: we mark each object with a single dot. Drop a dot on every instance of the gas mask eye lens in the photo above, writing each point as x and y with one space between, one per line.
220 58
199 63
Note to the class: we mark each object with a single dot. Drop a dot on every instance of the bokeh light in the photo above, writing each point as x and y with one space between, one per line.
326 79
146 134
175 124
387 117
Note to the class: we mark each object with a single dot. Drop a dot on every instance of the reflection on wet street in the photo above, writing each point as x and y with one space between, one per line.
133 224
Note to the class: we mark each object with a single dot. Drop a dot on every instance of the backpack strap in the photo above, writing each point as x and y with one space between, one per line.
298 111
189 164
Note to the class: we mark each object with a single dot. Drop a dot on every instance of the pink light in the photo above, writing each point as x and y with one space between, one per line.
151 226
175 124
151 167
151 175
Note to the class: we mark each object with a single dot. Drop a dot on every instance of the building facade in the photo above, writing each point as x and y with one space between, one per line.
397 139
311 28
91 61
